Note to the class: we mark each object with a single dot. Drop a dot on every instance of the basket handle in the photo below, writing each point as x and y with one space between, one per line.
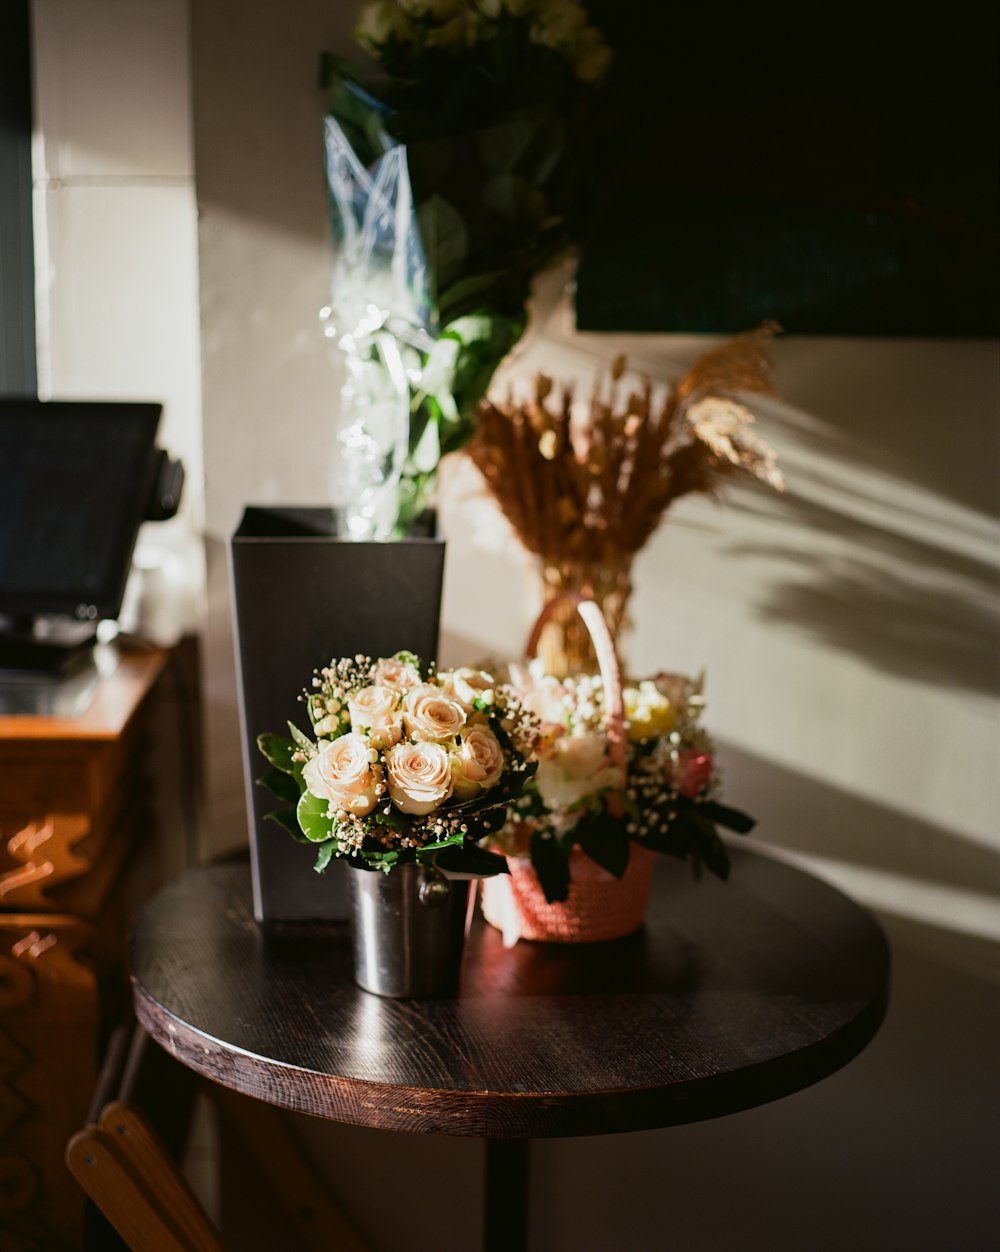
610 671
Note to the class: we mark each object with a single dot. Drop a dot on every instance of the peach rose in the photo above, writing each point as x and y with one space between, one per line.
399 675
465 686
376 710
430 716
341 772
420 776
480 762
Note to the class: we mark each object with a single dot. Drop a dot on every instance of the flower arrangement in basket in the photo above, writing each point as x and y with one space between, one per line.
625 771
406 764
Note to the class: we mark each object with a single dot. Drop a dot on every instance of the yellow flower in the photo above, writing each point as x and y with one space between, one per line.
648 712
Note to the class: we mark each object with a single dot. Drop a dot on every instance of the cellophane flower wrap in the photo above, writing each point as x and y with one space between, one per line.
405 763
667 798
453 164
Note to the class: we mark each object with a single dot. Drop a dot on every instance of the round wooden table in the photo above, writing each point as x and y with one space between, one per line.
732 995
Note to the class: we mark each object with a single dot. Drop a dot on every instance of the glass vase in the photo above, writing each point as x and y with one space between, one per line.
565 646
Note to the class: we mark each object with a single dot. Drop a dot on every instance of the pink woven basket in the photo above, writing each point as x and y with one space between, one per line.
599 906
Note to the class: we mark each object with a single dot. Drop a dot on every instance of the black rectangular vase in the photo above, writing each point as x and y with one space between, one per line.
302 597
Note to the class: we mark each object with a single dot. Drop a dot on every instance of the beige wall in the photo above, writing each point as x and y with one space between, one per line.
116 252
848 628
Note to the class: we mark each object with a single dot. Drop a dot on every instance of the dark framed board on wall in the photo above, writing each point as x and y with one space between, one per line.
837 175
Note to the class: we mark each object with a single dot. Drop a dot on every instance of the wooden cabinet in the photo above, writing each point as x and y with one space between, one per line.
75 810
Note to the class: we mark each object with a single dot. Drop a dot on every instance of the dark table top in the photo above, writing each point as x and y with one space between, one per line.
732 995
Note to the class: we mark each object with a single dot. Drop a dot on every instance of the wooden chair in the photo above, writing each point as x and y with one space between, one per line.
128 1169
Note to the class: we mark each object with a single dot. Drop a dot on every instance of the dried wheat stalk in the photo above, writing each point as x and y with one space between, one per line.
593 495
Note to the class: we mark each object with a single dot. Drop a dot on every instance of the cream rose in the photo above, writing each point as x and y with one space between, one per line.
376 710
479 760
420 776
576 767
465 686
430 716
341 772
399 675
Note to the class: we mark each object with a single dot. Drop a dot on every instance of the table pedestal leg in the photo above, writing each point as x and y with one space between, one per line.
505 1217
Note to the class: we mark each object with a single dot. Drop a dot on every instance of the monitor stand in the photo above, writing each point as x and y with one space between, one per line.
53 646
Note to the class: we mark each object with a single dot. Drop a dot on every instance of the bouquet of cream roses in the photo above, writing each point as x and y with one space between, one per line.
405 763
664 798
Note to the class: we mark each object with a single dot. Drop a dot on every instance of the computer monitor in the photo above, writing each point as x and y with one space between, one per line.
76 482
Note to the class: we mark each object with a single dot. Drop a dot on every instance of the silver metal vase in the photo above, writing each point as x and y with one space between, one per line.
408 930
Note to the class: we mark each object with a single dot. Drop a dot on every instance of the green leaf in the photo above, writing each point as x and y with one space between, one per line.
287 820
605 842
669 839
469 290
528 142
457 372
456 839
445 239
484 339
708 847
311 813
471 859
551 864
438 377
732 819
482 827
278 751
516 201
283 785
301 739
377 859
325 855
394 819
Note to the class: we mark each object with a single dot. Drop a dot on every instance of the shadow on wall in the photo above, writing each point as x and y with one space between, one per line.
888 545
809 817
904 604
923 411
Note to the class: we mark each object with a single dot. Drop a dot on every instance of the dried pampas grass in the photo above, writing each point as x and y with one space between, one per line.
572 488
585 496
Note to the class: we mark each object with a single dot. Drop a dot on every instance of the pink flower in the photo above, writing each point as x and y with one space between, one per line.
693 773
